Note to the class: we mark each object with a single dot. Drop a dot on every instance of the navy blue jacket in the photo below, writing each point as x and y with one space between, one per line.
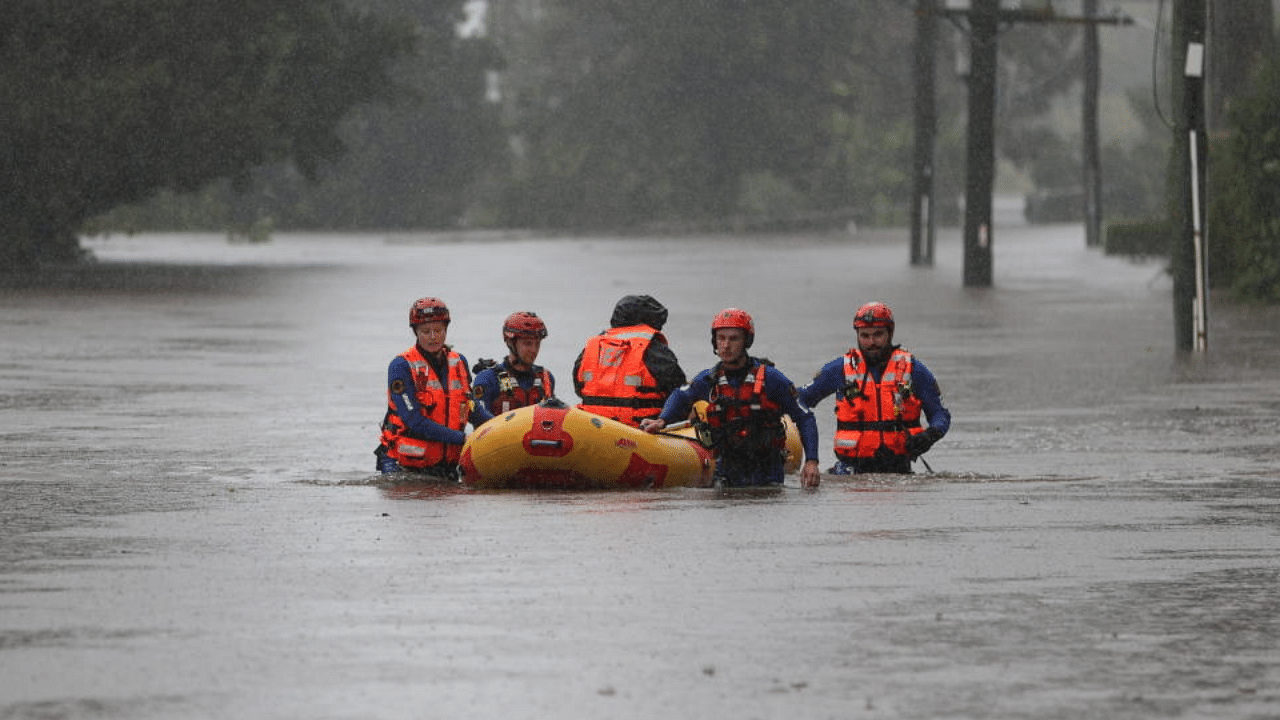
777 387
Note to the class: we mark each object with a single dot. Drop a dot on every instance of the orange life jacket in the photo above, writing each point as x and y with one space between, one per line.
447 403
744 418
511 395
614 380
870 414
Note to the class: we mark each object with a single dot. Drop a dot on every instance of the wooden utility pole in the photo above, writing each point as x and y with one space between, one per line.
1092 176
1189 259
984 18
984 24
923 208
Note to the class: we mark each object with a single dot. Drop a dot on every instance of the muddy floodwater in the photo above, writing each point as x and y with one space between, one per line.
190 527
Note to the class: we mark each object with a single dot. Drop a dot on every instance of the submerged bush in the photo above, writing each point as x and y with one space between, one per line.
1140 238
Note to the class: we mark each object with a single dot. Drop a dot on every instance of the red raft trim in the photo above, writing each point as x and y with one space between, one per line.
547 436
641 474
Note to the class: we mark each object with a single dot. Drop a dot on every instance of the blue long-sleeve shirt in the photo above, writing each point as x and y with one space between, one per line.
830 379
487 381
400 377
777 387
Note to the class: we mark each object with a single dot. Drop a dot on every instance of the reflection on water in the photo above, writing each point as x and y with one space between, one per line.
191 527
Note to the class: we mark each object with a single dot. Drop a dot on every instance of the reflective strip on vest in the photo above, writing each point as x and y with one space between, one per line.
634 381
410 449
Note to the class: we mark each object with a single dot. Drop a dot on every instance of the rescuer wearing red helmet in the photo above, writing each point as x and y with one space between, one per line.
746 399
882 391
428 400
627 372
516 381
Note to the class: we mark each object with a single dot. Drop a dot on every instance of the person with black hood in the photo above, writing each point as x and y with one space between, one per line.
626 372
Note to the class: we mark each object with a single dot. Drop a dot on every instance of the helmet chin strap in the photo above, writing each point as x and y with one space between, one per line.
513 357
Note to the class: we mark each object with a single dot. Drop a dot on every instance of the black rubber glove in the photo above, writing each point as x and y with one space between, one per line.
920 443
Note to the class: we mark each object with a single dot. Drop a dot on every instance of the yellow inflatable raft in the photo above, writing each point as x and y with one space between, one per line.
554 446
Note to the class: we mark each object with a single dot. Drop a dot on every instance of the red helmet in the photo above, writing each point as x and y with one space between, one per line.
874 314
523 324
428 309
733 318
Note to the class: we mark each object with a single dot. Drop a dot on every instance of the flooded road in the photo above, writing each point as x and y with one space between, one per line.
191 528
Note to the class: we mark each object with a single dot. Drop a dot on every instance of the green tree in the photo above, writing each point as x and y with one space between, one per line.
1135 174
664 109
1245 193
1039 63
107 102
417 163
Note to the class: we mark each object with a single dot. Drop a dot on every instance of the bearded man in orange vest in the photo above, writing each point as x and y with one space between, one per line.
626 372
882 392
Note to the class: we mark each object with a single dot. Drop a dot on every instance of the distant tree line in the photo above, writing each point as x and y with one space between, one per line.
692 111
609 114
581 114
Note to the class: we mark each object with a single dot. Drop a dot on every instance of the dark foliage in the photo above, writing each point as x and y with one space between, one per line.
108 101
1245 193
664 110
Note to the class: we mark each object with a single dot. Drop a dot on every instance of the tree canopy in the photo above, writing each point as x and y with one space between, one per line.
607 113
107 101
663 109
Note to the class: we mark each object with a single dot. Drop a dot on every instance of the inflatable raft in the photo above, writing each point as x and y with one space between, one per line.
554 446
